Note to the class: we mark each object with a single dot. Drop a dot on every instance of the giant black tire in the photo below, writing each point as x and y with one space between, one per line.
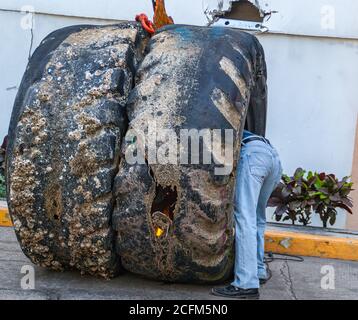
66 128
175 222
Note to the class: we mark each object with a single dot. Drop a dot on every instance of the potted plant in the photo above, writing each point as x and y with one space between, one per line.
297 197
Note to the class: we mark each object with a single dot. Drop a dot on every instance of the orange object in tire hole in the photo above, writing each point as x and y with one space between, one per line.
163 208
165 201
159 232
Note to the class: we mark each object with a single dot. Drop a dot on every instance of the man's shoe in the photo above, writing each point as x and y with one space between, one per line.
236 293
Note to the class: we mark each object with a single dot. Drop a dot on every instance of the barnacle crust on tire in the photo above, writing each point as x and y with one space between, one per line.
77 203
67 125
175 221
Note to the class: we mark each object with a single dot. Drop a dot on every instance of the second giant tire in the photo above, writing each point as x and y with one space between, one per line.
175 219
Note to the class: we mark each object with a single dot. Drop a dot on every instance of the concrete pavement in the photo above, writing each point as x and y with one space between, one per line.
312 279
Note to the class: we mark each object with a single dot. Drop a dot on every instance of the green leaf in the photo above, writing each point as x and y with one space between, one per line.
294 205
335 197
280 210
299 173
347 202
286 192
332 220
322 176
297 190
311 181
324 190
318 184
314 194
310 175
343 206
274 202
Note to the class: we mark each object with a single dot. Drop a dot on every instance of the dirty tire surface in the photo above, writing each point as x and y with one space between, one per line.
65 132
191 78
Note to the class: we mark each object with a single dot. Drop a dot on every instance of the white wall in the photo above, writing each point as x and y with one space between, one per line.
14 51
312 70
293 17
305 17
312 102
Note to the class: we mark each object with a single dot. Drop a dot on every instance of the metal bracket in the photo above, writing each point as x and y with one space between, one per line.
240 24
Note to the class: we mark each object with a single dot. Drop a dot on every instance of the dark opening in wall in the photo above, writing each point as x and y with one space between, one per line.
244 10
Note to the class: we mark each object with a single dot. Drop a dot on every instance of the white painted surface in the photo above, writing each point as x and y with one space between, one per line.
312 102
312 80
303 17
186 11
15 46
333 18
13 58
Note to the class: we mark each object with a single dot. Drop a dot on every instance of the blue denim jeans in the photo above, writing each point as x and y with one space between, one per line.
259 172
